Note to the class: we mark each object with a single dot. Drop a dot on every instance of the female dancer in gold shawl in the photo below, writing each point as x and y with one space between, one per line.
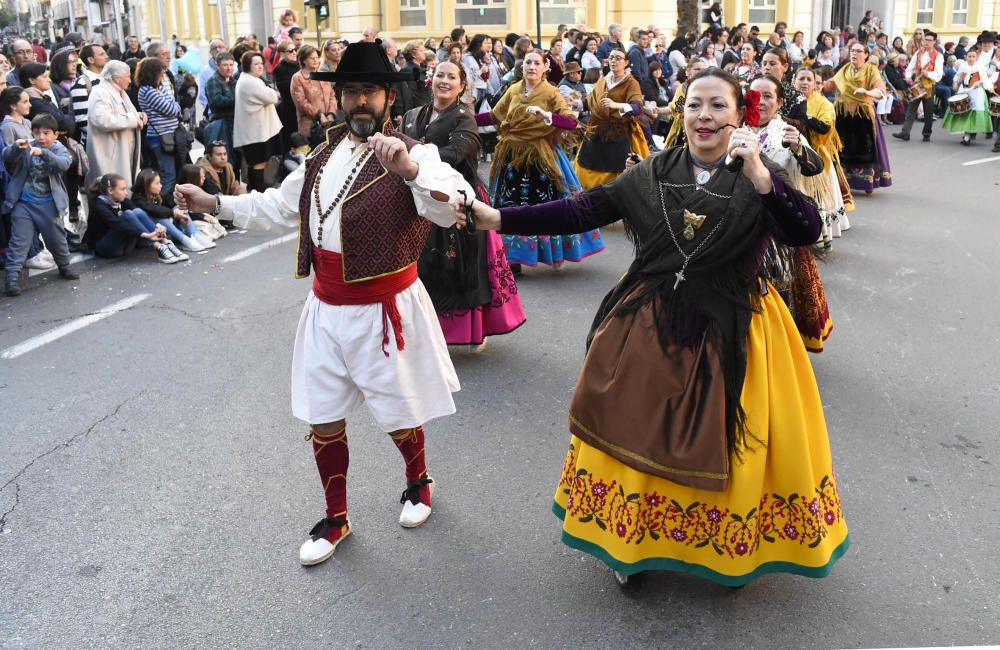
865 157
530 167
613 129
822 132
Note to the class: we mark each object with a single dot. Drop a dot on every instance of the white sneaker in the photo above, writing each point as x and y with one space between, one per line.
47 255
220 230
317 548
40 262
204 240
191 245
414 514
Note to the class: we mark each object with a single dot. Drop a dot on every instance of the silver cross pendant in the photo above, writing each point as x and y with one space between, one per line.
680 278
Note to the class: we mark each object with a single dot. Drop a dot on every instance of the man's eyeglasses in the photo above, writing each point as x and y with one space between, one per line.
353 92
616 58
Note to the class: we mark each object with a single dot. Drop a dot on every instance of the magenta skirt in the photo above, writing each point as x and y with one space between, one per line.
501 315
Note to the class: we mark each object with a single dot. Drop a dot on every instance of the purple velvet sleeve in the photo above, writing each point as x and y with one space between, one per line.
583 212
796 221
636 110
564 122
484 119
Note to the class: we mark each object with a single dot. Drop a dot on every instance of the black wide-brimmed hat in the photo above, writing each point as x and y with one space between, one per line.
987 36
364 61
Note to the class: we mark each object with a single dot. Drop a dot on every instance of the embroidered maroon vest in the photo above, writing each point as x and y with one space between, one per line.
380 230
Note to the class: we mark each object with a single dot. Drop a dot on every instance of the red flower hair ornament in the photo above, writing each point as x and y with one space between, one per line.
751 117
751 108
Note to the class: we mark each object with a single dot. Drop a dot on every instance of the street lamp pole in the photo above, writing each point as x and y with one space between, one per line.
223 22
538 20
118 24
163 21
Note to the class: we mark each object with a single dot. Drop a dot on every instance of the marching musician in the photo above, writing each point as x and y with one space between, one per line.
993 70
926 69
968 112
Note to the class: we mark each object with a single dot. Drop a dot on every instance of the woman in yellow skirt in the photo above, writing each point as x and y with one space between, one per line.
699 443
613 128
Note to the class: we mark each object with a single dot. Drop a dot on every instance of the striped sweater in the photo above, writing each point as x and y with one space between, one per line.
162 110
80 94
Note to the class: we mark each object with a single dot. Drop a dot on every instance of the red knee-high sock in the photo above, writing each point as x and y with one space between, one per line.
331 460
410 443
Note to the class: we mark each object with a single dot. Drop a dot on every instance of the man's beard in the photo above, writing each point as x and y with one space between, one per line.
366 128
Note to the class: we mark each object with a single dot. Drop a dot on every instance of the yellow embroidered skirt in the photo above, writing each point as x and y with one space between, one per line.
590 178
781 512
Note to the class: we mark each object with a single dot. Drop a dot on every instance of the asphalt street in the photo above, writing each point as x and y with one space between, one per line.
154 487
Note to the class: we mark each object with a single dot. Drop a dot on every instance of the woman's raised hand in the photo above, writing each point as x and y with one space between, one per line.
743 143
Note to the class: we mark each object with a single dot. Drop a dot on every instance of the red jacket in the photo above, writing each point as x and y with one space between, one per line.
271 58
40 55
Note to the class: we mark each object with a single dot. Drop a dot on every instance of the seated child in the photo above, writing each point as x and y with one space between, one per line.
115 225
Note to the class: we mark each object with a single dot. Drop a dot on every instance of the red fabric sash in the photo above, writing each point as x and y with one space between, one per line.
329 287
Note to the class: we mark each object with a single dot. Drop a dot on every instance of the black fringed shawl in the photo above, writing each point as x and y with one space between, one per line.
721 286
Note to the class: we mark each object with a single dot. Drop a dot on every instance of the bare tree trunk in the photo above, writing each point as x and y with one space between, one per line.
687 16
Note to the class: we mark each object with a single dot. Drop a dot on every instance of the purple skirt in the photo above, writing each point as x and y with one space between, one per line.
865 157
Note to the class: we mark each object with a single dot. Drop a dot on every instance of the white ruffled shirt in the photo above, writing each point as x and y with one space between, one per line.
280 206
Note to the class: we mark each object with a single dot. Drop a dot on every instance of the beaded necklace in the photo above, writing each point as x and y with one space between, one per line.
324 214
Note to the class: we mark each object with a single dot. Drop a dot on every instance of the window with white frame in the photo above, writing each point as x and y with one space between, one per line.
412 13
480 12
960 12
763 11
568 12
925 11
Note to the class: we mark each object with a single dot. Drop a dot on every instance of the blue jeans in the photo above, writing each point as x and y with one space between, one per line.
167 166
175 232
117 243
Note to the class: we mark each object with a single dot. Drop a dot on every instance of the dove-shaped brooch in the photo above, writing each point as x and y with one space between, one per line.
692 222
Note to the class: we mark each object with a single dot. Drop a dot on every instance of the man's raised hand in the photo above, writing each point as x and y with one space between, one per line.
193 199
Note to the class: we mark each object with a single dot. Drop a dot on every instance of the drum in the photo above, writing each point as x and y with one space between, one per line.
959 104
995 106
915 93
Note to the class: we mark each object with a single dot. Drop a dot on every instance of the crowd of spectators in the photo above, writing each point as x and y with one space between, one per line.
94 137
124 120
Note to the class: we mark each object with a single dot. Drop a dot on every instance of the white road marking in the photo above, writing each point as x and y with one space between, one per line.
253 250
68 328
980 161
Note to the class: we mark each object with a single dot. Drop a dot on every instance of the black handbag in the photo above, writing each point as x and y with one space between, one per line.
199 130
167 142
605 155
317 132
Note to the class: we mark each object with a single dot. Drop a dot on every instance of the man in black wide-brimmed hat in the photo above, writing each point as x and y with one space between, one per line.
366 198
